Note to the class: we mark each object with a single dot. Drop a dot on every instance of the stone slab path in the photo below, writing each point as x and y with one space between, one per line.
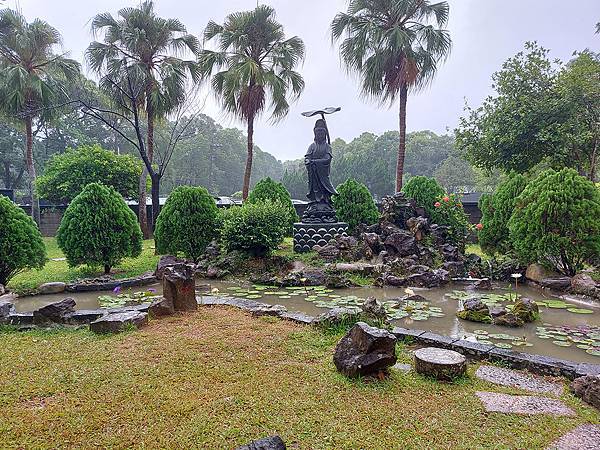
513 378
402 367
584 437
523 404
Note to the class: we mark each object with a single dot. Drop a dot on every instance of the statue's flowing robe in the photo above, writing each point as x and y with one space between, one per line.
319 184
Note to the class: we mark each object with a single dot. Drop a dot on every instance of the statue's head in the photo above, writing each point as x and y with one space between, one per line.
320 135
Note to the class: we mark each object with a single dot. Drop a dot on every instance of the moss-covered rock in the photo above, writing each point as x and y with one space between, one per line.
527 310
475 310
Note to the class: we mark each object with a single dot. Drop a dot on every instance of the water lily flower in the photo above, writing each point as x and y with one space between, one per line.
152 290
214 291
479 226
437 204
446 199
516 276
409 291
117 290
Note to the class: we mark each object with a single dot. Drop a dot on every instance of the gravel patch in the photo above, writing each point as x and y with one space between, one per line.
513 378
584 437
523 404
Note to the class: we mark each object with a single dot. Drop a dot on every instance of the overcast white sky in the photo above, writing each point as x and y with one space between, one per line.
484 32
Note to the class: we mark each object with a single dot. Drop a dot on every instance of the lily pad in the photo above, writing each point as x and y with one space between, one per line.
580 310
593 351
503 345
481 332
562 343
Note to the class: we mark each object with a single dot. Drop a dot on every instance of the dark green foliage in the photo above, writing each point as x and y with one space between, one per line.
99 229
425 191
496 212
269 190
67 174
556 221
187 223
254 228
355 204
21 244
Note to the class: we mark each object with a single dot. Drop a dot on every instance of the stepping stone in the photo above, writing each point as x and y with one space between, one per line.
115 323
402 367
584 437
523 404
441 364
513 378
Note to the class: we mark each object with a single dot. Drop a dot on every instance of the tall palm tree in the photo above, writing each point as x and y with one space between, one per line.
140 40
395 47
254 64
33 79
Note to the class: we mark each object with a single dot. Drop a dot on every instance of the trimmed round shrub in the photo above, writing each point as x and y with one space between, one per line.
21 244
99 229
254 228
425 192
187 223
272 191
448 210
496 212
355 205
66 174
556 221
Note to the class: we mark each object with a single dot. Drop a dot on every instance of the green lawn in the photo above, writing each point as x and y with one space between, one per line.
60 270
219 378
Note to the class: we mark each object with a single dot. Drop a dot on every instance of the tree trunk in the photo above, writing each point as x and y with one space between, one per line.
248 172
145 221
106 269
593 162
155 199
35 206
402 143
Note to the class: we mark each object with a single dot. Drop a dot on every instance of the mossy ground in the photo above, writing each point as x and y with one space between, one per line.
60 271
219 378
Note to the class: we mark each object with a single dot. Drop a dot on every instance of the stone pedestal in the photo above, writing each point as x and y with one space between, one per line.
307 235
179 287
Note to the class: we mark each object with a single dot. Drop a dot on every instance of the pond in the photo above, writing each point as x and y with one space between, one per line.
568 328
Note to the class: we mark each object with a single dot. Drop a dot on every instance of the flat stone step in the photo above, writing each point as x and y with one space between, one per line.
514 378
523 404
584 437
116 323
441 364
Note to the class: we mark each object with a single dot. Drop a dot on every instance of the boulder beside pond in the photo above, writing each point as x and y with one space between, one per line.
365 350
6 309
57 312
588 389
474 310
55 287
116 323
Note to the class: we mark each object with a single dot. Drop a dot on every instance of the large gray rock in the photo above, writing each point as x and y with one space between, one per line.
475 310
6 309
179 287
365 350
57 312
374 310
526 309
336 316
166 261
441 364
55 287
268 443
556 283
162 307
115 323
588 389
401 243
584 284
537 272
